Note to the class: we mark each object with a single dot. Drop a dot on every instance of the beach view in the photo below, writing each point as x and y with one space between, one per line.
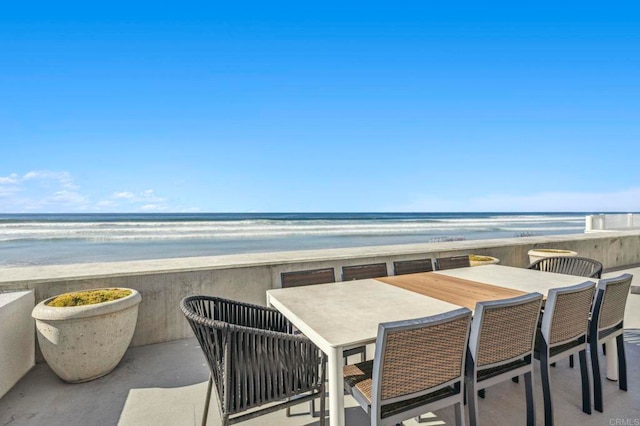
319 213
79 238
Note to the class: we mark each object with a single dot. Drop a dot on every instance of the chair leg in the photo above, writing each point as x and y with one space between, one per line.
571 361
604 349
312 403
622 363
322 406
586 391
206 403
531 408
312 409
546 390
597 380
472 401
459 414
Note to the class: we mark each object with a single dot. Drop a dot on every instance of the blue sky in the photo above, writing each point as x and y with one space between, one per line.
319 106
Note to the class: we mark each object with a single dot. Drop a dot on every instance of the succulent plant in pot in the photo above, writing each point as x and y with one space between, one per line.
479 260
83 335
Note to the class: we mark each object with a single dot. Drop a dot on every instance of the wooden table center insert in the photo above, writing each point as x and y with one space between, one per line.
454 290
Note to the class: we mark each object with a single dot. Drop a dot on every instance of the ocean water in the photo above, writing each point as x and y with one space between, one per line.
46 239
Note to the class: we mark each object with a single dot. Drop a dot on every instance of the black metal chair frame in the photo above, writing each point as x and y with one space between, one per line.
599 334
506 368
254 358
548 353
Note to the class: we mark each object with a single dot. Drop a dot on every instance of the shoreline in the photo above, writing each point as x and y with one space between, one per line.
28 240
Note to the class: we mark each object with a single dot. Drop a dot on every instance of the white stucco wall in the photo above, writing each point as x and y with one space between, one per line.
17 337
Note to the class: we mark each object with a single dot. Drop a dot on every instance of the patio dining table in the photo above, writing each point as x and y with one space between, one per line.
344 315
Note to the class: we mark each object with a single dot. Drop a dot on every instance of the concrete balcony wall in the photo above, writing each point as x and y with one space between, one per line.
164 282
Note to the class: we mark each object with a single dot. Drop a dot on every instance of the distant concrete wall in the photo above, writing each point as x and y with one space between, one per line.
17 338
612 222
164 282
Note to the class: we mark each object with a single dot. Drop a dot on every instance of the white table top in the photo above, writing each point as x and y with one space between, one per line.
516 278
347 314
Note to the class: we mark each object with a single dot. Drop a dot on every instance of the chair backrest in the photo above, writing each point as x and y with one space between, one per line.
569 265
504 330
360 272
610 302
253 355
419 356
309 277
452 262
401 267
566 313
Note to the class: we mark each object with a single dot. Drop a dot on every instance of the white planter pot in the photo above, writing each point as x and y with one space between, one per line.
537 254
82 343
491 261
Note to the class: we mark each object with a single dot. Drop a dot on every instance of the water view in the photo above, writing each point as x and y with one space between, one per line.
45 239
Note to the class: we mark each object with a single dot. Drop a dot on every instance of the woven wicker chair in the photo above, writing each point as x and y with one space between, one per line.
402 267
454 262
254 358
308 277
501 347
360 272
607 322
569 265
563 332
418 367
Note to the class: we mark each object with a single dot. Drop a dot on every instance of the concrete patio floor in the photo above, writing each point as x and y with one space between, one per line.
165 384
